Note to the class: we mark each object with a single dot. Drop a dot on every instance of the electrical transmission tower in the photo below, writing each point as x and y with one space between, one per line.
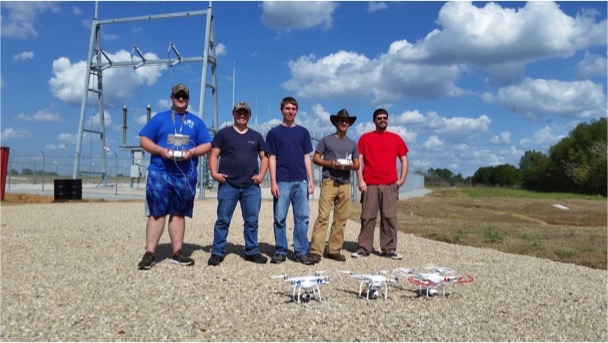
98 61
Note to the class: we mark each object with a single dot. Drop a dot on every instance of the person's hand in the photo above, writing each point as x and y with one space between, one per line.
311 187
257 178
274 189
221 178
362 186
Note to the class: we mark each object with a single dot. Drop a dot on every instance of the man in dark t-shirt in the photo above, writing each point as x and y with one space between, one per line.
233 163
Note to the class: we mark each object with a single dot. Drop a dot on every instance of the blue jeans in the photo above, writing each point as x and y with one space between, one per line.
251 201
295 193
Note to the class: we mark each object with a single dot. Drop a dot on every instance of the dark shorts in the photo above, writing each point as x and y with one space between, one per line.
170 194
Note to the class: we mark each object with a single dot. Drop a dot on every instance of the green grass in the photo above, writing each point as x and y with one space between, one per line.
497 192
586 246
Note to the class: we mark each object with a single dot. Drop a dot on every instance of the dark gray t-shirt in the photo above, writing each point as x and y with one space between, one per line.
334 148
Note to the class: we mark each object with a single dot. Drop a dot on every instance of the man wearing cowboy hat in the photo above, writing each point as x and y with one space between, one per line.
338 155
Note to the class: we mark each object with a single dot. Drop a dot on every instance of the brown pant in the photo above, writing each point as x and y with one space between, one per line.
384 198
334 195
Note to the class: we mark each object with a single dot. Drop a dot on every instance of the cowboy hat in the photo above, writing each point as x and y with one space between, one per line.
343 113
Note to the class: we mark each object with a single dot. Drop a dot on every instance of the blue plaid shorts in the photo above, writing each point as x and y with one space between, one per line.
170 194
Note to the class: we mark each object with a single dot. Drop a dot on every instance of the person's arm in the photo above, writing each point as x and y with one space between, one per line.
355 165
272 167
311 181
263 168
213 163
318 160
148 145
200 150
360 182
404 170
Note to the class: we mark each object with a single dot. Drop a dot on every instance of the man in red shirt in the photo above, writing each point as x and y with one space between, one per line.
379 186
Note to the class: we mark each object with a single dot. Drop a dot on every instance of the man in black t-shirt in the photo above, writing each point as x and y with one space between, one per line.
233 163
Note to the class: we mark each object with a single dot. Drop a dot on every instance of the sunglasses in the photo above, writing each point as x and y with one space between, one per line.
181 96
381 118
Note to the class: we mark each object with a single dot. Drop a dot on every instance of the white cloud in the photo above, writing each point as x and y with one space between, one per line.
433 142
502 138
492 35
220 50
69 138
501 41
293 15
40 116
337 75
23 56
591 66
544 137
120 84
18 18
56 146
374 6
10 134
537 97
76 10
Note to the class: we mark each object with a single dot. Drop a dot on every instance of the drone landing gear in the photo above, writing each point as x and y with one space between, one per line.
372 292
306 296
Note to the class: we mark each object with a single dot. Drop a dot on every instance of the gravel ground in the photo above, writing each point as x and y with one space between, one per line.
69 273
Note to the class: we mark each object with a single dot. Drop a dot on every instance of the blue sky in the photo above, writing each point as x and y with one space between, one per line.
467 85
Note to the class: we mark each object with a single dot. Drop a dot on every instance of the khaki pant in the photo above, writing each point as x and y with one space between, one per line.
386 199
334 195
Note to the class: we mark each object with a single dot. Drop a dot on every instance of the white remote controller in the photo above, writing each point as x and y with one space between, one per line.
177 154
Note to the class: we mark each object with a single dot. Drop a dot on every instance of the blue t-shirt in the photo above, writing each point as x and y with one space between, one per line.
289 145
161 126
239 155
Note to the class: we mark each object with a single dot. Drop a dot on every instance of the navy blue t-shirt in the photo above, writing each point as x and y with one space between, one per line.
289 145
239 155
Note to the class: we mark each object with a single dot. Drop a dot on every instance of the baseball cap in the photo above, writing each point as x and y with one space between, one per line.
180 87
241 105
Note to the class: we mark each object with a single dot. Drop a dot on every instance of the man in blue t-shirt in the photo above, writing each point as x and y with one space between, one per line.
238 149
175 139
288 147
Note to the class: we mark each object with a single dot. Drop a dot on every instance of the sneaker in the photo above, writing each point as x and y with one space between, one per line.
338 257
256 258
277 259
315 258
394 255
358 254
182 259
215 260
147 262
305 259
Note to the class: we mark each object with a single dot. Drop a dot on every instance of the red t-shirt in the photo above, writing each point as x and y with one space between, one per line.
380 151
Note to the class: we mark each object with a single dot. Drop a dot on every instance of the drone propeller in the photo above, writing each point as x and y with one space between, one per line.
402 271
441 270
282 276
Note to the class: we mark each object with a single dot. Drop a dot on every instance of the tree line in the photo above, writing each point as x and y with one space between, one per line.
576 164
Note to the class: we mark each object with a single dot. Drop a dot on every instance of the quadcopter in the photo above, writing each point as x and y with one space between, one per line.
436 277
373 282
307 284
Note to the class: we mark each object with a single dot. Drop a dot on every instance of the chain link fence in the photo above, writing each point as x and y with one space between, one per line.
125 178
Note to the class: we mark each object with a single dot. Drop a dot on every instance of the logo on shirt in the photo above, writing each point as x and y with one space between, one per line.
189 123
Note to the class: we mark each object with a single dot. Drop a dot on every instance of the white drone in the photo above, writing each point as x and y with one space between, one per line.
373 282
306 283
436 277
